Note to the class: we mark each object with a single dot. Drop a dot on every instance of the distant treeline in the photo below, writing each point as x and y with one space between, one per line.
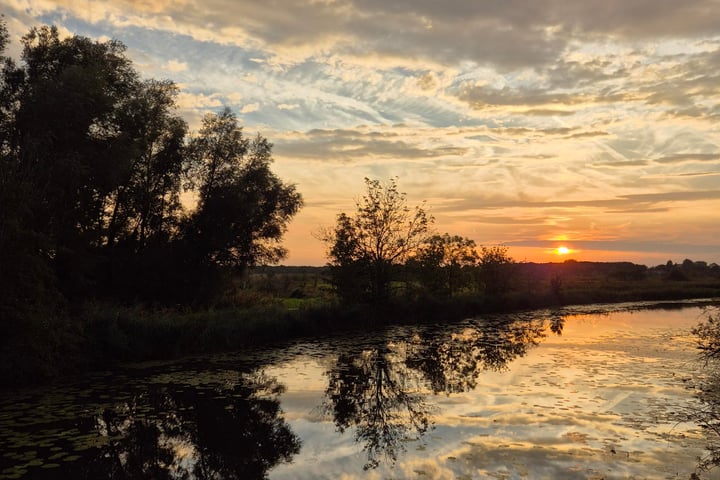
555 282
620 270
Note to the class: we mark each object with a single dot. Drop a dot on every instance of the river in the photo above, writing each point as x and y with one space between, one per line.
596 392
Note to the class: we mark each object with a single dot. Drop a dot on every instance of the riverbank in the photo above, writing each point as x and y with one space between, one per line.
101 335
134 333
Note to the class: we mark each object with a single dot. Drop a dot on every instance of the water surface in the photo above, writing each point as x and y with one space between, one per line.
597 393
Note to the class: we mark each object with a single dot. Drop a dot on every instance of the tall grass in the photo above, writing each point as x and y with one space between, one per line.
102 334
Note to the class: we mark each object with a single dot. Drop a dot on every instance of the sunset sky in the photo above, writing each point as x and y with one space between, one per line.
591 124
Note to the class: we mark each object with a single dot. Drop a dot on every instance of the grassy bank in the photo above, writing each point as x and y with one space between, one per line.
131 333
100 335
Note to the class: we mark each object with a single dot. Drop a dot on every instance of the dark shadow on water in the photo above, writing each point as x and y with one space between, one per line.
218 419
230 430
452 361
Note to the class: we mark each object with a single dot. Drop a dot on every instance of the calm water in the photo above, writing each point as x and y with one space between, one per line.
557 395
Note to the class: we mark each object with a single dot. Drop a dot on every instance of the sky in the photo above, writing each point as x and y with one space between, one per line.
592 125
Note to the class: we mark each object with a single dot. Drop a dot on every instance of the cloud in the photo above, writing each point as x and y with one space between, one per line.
250 107
504 114
175 66
630 202
188 100
506 34
548 112
689 157
482 96
592 134
355 145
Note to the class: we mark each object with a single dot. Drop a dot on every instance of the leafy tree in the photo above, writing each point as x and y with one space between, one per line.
145 207
243 207
143 214
351 272
93 161
444 261
383 233
33 329
708 333
495 271
69 150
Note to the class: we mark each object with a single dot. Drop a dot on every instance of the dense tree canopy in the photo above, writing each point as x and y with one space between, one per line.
244 208
386 242
94 162
98 158
444 263
495 269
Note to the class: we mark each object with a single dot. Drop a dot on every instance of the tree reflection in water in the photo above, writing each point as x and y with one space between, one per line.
372 392
451 363
379 391
708 388
184 432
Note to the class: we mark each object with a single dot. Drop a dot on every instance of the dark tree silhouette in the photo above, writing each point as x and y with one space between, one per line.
144 208
93 162
444 263
495 269
244 208
68 151
383 232
707 389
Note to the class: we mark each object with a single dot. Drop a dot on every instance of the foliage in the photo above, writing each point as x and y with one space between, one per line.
708 387
383 232
93 163
495 269
444 263
708 333
144 209
243 208
95 160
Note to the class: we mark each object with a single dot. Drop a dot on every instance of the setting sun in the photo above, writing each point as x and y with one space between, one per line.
562 250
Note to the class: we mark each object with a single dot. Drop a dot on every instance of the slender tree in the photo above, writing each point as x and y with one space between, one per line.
383 233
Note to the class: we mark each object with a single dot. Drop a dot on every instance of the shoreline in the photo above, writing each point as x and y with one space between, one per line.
113 335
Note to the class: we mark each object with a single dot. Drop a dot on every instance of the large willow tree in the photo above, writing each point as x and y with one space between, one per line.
93 162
